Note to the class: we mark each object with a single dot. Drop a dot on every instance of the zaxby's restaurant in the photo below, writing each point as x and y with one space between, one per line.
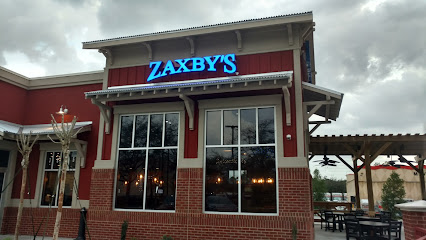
198 133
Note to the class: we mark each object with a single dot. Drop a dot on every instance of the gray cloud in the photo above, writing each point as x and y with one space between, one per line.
377 58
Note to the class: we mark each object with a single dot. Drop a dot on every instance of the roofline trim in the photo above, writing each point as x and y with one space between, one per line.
214 28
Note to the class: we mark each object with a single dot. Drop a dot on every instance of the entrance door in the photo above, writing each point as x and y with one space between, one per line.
4 161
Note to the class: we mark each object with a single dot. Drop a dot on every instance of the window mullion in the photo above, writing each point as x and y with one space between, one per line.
239 161
163 135
133 131
221 127
257 126
146 162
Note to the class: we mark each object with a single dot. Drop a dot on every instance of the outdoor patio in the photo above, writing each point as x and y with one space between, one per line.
336 235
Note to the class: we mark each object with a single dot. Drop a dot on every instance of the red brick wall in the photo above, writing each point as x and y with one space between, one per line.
412 220
189 222
42 219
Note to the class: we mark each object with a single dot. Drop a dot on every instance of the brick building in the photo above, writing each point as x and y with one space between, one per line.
198 133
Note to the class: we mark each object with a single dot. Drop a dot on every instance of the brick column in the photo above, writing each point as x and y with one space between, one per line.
414 216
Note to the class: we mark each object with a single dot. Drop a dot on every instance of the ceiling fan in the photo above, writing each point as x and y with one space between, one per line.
325 161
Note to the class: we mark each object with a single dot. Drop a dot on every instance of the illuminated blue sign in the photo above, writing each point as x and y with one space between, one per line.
196 64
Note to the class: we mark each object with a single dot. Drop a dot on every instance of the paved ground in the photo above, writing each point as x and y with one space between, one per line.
4 237
321 234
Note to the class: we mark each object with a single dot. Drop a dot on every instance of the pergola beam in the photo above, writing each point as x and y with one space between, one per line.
344 162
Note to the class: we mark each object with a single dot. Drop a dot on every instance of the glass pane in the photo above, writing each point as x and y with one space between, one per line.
161 182
49 160
69 184
258 180
213 127
230 128
141 131
248 126
266 125
156 130
130 179
49 188
126 131
4 158
72 160
221 183
57 156
172 124
1 183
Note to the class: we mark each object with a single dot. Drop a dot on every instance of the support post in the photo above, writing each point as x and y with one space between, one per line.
371 211
356 179
422 179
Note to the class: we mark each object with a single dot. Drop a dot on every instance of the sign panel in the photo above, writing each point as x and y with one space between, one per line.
195 64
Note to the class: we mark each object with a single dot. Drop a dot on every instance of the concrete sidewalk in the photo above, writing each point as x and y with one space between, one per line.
4 237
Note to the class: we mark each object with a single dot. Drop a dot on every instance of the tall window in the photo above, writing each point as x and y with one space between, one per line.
240 161
147 160
52 170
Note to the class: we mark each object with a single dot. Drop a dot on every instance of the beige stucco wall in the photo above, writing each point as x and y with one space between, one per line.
379 177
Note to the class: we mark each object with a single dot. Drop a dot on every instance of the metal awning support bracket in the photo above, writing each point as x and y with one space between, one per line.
106 113
192 45
149 49
239 40
189 106
286 95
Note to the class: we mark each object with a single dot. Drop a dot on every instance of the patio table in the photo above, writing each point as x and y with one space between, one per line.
371 227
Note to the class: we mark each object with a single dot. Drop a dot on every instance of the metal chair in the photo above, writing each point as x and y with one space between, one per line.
394 230
353 229
329 218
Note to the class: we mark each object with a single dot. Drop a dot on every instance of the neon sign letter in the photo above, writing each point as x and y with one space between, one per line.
198 64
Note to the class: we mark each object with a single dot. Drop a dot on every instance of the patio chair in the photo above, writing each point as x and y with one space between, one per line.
353 229
349 216
385 216
394 231
322 216
330 219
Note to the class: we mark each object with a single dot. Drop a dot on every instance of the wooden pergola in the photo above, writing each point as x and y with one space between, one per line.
367 149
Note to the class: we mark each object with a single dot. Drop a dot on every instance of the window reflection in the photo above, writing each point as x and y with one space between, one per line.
130 177
248 126
161 182
126 131
221 179
146 173
230 127
156 130
171 134
256 192
266 125
213 127
258 180
141 126
52 171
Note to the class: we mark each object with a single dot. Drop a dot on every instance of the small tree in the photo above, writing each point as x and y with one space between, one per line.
393 192
318 187
24 147
64 132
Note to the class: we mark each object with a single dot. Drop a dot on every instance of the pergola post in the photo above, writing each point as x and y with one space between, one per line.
371 211
422 179
356 179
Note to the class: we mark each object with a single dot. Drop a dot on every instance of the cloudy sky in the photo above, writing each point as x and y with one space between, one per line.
374 51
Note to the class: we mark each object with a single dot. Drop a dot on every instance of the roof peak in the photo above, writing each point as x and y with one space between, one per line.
199 27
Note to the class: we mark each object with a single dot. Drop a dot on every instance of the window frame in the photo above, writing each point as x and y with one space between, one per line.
146 148
239 146
77 161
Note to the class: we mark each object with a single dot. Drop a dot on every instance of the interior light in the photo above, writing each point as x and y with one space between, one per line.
254 180
141 176
125 182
